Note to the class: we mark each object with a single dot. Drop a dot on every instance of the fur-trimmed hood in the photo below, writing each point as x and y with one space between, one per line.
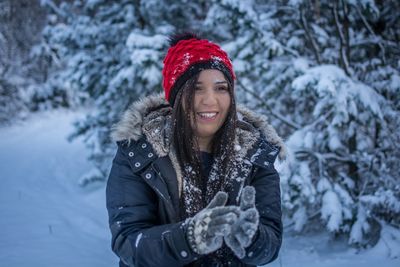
151 115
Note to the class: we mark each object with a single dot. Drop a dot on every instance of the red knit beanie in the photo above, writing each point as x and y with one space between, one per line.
187 56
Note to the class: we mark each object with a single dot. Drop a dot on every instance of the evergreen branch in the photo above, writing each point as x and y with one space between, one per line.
375 40
325 156
315 155
317 8
54 57
322 117
264 104
321 158
314 44
343 46
141 19
369 28
309 218
369 40
336 157
290 51
54 8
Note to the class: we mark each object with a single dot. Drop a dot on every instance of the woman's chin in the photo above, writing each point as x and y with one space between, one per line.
206 134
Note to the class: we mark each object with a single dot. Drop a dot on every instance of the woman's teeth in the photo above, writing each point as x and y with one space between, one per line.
208 115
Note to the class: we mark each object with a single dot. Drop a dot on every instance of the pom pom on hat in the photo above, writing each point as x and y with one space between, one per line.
175 38
188 55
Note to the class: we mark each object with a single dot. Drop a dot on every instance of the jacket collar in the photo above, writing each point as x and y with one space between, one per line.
150 117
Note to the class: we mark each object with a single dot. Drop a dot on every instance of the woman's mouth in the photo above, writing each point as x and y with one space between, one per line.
207 116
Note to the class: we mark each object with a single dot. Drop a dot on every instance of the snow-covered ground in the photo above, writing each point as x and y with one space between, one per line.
47 219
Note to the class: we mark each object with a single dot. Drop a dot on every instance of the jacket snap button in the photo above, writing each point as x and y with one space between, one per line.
184 254
148 176
131 154
137 164
150 155
144 145
266 163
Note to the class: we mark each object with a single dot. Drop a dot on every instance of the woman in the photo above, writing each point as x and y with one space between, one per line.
193 181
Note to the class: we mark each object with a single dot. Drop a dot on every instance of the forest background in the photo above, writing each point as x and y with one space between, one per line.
326 73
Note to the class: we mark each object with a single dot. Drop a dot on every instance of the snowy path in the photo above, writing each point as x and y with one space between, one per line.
46 219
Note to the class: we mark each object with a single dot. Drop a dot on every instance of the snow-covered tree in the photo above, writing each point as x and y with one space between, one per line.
326 73
112 54
20 26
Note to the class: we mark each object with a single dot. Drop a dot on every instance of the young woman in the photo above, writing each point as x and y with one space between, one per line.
193 181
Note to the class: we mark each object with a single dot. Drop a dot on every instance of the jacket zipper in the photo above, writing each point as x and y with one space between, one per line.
169 202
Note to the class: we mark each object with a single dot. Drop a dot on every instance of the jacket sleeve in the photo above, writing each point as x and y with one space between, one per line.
132 208
265 247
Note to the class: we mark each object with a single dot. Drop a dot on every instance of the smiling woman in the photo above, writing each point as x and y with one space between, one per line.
193 181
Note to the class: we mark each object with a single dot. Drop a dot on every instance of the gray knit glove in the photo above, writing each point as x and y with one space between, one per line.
207 228
244 229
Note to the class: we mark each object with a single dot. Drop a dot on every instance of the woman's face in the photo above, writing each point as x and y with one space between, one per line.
211 103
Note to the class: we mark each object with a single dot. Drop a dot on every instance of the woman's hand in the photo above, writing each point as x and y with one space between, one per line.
206 230
245 227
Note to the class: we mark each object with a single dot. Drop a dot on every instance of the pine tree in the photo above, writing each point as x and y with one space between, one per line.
20 26
325 72
112 54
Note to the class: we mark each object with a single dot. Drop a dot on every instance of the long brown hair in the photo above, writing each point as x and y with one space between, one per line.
184 139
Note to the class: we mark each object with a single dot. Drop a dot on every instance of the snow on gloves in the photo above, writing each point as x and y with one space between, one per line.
217 222
208 227
245 227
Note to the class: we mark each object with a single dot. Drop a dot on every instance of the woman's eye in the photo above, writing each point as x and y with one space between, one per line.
222 88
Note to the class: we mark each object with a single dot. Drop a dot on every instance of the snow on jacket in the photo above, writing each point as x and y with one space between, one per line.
143 188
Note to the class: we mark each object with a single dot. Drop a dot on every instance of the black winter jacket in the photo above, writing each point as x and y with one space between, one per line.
143 189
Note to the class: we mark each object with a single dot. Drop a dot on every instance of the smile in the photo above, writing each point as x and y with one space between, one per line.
207 115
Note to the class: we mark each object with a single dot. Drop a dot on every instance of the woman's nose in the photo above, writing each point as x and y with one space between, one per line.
209 98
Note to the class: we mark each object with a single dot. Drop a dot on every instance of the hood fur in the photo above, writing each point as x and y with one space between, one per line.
149 116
